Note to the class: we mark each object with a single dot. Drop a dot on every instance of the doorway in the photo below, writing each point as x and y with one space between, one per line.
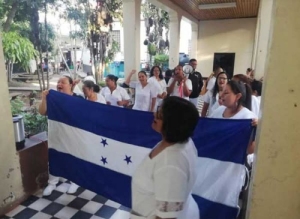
225 61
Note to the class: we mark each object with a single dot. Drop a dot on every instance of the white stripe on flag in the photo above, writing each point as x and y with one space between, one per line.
218 181
93 148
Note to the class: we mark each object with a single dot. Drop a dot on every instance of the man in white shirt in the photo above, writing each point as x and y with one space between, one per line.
211 80
180 85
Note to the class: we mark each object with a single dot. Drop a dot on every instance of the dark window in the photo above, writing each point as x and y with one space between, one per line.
225 61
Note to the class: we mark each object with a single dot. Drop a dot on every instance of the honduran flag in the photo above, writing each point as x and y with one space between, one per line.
99 147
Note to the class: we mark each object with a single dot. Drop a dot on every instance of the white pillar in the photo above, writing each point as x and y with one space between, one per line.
262 39
131 26
194 41
174 39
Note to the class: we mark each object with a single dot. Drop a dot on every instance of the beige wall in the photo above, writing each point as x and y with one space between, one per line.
262 37
10 176
275 190
218 36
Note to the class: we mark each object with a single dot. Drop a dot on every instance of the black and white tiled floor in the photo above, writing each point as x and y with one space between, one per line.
83 204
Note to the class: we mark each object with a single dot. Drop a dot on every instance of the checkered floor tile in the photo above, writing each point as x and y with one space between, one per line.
60 205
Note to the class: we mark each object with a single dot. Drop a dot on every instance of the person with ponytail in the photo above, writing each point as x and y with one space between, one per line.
254 101
114 94
91 92
236 100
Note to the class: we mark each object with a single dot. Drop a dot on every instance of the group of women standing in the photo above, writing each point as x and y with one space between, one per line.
162 183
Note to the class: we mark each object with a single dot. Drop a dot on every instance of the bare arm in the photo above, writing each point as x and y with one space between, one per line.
170 89
153 102
43 105
127 81
186 90
204 110
123 102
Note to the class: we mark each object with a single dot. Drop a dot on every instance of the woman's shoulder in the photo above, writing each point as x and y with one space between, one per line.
246 114
178 155
218 112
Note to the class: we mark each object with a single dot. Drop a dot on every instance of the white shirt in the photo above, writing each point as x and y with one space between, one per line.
162 186
118 94
176 92
244 113
100 99
161 86
143 95
211 83
211 101
255 105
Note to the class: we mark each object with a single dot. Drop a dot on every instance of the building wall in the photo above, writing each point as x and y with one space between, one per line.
221 36
11 188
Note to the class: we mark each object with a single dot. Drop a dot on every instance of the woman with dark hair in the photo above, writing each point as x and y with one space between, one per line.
113 93
179 85
212 96
254 101
64 85
145 93
157 78
91 92
168 75
162 183
257 89
236 100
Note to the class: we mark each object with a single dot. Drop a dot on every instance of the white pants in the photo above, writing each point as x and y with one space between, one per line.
194 101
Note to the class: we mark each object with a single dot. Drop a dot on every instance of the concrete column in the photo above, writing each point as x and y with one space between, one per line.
10 177
194 40
262 37
174 39
131 24
275 189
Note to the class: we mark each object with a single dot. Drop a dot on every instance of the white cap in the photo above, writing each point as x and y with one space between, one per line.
89 78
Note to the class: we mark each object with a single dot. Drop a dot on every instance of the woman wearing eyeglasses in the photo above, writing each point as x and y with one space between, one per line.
211 97
162 183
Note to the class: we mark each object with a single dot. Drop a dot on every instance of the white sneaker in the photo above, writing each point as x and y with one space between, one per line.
48 190
73 188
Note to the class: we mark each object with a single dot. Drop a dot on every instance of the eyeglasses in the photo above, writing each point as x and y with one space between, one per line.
222 78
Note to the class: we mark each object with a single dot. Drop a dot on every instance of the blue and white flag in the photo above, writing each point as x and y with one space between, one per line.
99 147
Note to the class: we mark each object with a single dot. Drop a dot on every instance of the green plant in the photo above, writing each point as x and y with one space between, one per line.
34 123
161 59
16 106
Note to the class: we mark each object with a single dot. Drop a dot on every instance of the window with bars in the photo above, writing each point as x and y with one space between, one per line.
115 34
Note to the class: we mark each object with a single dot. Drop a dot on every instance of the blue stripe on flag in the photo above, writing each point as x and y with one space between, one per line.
213 210
110 184
224 140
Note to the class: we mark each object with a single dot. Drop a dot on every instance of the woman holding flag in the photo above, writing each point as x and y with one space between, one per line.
64 85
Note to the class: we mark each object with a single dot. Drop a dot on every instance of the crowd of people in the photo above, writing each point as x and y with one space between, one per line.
173 99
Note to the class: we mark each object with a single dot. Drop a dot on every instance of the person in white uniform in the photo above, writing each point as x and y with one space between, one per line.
254 101
179 85
236 100
113 93
211 80
145 93
65 85
163 182
256 89
91 92
211 97
157 78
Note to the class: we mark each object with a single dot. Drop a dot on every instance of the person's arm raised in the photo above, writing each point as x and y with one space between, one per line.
43 104
127 81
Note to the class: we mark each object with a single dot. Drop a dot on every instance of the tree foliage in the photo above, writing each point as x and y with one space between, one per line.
18 49
156 21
